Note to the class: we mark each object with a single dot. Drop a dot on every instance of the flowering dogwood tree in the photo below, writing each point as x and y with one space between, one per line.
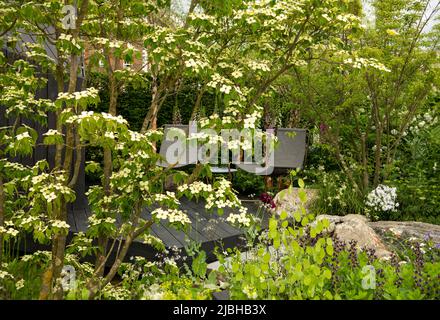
238 53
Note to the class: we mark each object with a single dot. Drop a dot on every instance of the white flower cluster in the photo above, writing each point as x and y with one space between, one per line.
204 17
255 66
135 136
233 109
78 95
171 215
123 173
5 274
237 74
250 292
40 178
87 115
150 239
11 232
218 80
251 120
153 292
218 197
198 136
109 135
144 186
422 122
195 187
94 221
59 224
241 218
28 221
383 199
16 166
116 293
234 144
52 132
193 61
21 136
19 284
169 196
108 42
359 63
69 38
50 191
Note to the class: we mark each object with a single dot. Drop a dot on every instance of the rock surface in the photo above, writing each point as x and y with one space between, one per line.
408 230
288 200
356 227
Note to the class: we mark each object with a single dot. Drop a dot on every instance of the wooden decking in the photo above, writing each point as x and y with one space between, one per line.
207 228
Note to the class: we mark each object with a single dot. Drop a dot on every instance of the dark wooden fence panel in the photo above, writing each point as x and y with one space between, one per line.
47 152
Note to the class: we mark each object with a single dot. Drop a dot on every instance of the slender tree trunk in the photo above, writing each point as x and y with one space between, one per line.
50 287
365 177
150 121
95 284
59 240
108 169
59 126
377 161
2 216
198 103
59 247
48 276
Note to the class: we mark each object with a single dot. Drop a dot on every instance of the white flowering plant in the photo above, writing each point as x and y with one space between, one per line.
381 200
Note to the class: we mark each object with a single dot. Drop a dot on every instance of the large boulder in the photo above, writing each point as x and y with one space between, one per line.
380 235
356 227
288 200
405 230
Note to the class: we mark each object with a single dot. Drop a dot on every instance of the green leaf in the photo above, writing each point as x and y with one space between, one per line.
329 249
276 243
304 221
302 196
266 257
325 223
297 216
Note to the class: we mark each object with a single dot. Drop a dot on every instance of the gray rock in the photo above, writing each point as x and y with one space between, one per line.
408 229
288 200
356 227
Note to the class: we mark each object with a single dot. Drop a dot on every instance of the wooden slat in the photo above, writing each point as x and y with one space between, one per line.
71 221
225 228
168 239
202 224
81 217
162 233
220 234
180 236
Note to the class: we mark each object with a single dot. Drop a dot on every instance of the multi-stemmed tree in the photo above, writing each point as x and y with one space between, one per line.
237 49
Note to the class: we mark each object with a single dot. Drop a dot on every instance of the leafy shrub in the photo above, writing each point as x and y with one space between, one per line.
336 195
297 260
247 183
416 173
